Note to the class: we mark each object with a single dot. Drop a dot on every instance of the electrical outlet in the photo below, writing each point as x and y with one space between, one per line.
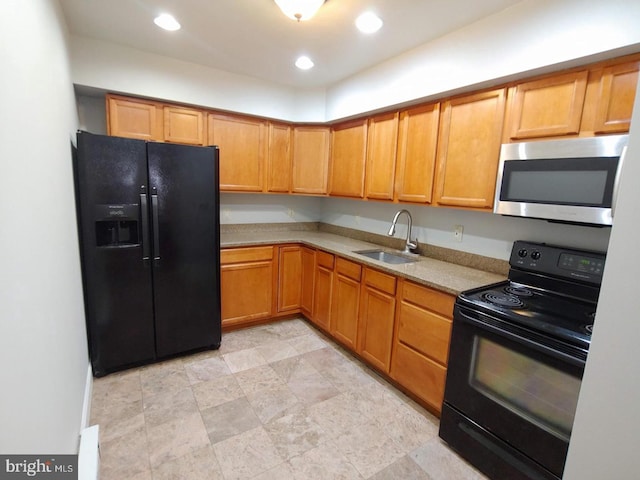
291 213
457 232
226 214
357 219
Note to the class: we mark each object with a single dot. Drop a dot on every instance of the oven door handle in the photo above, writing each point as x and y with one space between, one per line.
530 343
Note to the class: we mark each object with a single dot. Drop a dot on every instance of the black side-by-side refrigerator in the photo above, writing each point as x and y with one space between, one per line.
150 246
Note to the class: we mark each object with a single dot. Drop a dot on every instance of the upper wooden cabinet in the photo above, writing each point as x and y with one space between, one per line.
616 95
416 159
348 158
134 118
184 125
242 142
310 159
548 107
468 150
382 141
279 158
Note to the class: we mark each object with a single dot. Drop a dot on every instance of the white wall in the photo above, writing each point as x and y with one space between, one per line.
606 432
528 37
105 66
243 208
43 353
483 232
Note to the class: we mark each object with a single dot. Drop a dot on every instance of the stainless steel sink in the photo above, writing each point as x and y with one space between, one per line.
387 257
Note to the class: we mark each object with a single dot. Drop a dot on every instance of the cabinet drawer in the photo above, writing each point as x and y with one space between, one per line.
325 259
420 375
348 269
380 281
239 255
428 298
424 331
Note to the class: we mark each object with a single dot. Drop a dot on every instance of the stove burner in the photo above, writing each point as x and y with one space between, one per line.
503 299
519 291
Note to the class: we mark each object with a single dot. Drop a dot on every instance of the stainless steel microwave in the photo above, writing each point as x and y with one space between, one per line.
569 181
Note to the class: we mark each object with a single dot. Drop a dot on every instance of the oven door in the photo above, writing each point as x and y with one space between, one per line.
514 393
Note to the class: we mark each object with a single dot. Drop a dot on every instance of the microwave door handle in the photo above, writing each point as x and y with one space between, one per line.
616 181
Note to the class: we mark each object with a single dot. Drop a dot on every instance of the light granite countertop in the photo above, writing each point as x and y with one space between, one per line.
447 277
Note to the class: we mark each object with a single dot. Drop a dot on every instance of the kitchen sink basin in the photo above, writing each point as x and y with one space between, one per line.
387 257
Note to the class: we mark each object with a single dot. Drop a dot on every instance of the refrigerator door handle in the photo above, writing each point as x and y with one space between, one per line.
156 227
144 216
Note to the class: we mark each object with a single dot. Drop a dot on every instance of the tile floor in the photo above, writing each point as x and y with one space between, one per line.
277 401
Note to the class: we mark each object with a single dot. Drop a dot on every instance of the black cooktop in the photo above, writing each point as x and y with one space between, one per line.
552 290
552 314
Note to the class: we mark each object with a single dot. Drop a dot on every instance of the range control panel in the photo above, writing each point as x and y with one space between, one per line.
581 265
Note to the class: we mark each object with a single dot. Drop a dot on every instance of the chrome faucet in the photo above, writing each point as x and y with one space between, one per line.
410 245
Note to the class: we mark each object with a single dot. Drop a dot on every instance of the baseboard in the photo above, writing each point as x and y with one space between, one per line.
89 454
86 403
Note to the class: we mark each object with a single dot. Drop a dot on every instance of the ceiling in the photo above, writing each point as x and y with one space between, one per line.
252 37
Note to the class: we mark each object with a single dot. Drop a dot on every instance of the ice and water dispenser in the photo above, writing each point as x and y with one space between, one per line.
117 225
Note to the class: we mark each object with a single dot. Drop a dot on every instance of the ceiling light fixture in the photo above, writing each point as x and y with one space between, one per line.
167 22
368 22
299 9
304 63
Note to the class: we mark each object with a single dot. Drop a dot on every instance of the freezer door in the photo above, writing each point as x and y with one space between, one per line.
186 246
117 283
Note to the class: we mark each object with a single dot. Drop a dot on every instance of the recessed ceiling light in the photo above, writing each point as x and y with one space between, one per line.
167 22
368 22
304 63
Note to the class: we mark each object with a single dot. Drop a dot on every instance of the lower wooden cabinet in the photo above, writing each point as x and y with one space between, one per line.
421 341
307 273
323 290
247 284
345 302
289 290
375 322
397 326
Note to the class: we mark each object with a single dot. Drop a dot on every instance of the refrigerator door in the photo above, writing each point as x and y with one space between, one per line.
184 194
117 284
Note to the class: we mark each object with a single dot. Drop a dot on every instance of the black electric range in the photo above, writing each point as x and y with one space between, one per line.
517 356
552 290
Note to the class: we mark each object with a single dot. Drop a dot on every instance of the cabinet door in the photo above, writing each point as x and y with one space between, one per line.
345 302
246 284
310 160
289 278
308 280
417 140
617 94
348 156
469 149
184 125
279 158
548 107
323 290
421 341
382 141
375 323
242 151
132 118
